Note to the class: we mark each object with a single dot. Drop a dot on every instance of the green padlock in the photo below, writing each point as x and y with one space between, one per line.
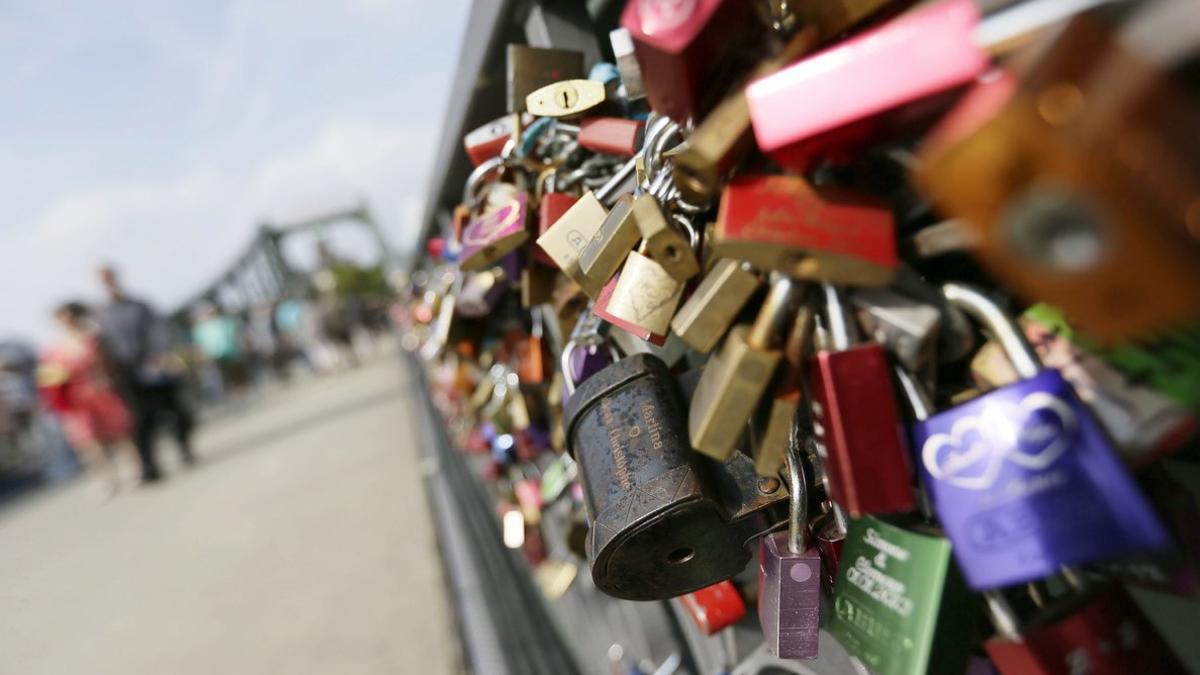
900 604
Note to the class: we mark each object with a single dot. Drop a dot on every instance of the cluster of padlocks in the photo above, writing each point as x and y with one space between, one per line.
897 303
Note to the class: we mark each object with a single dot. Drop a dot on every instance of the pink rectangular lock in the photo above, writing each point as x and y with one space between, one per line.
909 58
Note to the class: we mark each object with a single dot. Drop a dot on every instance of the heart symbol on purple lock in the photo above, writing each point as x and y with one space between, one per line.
1046 432
965 457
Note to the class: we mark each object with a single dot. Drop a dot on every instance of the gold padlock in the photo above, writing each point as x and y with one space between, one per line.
645 295
734 380
710 310
565 240
664 243
608 248
569 98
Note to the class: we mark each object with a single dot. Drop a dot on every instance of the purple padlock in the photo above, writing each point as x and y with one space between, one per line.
491 236
586 353
1022 478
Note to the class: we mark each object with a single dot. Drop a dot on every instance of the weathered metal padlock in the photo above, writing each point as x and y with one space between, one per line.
1108 635
664 520
789 575
856 421
714 608
1022 478
900 604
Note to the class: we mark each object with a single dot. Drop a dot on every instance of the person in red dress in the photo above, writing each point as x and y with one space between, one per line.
74 380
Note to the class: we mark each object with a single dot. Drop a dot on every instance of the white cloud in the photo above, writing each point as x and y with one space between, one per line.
171 236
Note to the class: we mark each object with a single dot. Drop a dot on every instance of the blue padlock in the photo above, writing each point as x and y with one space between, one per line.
1023 480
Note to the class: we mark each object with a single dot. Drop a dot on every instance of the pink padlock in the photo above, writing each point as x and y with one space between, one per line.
797 110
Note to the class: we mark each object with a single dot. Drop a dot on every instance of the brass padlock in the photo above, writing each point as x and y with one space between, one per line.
608 248
734 380
664 242
566 99
565 240
531 68
645 295
710 310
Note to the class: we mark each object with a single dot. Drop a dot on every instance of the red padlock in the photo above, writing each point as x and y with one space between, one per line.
611 135
487 141
551 208
834 99
829 234
856 423
714 608
682 46
1109 636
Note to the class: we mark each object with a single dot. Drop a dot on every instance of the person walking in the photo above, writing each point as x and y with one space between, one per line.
74 381
136 340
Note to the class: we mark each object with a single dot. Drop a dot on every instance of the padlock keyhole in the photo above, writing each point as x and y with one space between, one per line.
681 555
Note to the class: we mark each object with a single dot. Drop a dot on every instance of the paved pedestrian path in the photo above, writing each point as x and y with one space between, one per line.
302 543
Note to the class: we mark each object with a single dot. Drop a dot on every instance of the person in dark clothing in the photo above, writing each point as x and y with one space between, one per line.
135 339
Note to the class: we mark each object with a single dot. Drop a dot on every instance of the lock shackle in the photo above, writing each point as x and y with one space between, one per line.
1002 615
1003 328
839 323
798 486
585 333
686 225
478 177
773 317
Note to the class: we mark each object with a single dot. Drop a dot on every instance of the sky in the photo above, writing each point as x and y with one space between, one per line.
155 135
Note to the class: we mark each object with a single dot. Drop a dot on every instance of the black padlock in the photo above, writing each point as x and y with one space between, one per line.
665 520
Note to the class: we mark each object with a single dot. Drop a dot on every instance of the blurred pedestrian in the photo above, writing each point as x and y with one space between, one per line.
136 340
219 339
74 378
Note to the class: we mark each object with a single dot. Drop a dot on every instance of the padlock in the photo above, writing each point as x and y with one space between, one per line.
585 354
603 255
668 242
538 282
664 520
855 419
552 205
684 48
1022 478
487 141
714 608
824 233
900 604
789 575
480 292
1108 635
531 68
566 238
611 135
722 139
531 350
906 327
814 106
1145 424
628 329
712 307
566 99
494 234
1081 190
775 420
734 380
643 295
627 65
